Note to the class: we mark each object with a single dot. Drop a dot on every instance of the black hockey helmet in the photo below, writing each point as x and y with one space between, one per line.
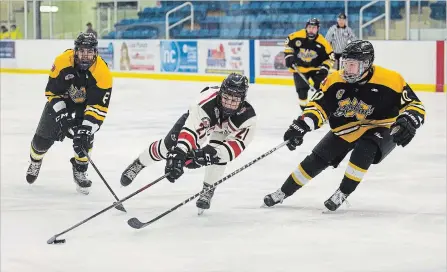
313 22
356 60
86 50
232 93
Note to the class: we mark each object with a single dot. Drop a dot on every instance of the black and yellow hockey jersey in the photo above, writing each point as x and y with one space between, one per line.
85 92
309 53
352 109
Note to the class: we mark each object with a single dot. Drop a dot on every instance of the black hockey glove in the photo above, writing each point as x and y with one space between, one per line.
82 140
203 157
66 123
404 129
295 133
174 164
323 71
291 60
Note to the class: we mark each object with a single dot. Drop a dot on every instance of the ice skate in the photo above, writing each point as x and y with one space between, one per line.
274 198
204 201
83 184
33 171
335 201
131 172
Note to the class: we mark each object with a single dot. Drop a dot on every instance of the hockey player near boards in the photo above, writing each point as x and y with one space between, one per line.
221 115
78 92
370 109
312 54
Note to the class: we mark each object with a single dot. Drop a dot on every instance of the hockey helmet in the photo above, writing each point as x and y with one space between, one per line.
356 60
86 50
312 22
232 93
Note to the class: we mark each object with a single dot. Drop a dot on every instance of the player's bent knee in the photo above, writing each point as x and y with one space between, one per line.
314 164
172 137
41 144
383 142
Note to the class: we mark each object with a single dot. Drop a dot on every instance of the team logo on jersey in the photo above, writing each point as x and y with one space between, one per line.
77 94
206 122
217 113
242 110
69 76
340 93
298 43
307 55
404 98
351 108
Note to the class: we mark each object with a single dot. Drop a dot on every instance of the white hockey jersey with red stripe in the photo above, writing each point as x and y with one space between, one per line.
205 124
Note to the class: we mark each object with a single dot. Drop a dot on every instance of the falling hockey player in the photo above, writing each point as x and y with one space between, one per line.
370 109
78 92
224 117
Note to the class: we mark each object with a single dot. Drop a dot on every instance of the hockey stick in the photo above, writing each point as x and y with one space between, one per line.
137 224
304 78
60 241
119 207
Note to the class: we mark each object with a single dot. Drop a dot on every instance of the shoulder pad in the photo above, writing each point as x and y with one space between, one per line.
245 113
100 71
64 60
298 34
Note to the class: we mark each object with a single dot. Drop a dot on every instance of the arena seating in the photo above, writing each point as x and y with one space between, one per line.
252 19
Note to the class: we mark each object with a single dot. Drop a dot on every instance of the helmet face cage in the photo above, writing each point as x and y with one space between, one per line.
86 50
352 70
232 93
313 22
357 58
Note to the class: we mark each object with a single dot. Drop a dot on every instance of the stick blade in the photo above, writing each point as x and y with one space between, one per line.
135 223
120 207
51 240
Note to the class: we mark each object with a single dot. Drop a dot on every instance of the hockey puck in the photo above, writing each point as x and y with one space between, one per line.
59 241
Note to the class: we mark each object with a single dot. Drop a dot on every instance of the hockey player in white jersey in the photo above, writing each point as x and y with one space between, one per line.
221 115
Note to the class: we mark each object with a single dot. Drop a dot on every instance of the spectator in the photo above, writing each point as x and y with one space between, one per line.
15 33
90 29
4 34
339 35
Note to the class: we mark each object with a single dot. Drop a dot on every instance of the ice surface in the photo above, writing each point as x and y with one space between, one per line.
397 221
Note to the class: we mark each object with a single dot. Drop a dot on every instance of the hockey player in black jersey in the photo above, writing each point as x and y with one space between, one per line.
221 115
370 109
78 92
311 54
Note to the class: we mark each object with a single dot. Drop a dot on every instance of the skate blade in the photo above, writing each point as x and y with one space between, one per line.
82 190
327 211
200 211
344 208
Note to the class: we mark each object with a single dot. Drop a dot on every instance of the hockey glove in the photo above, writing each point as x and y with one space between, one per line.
295 133
290 60
65 122
174 164
404 129
323 71
203 157
82 140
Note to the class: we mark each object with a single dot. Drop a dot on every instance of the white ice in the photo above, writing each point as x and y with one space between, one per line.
396 222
